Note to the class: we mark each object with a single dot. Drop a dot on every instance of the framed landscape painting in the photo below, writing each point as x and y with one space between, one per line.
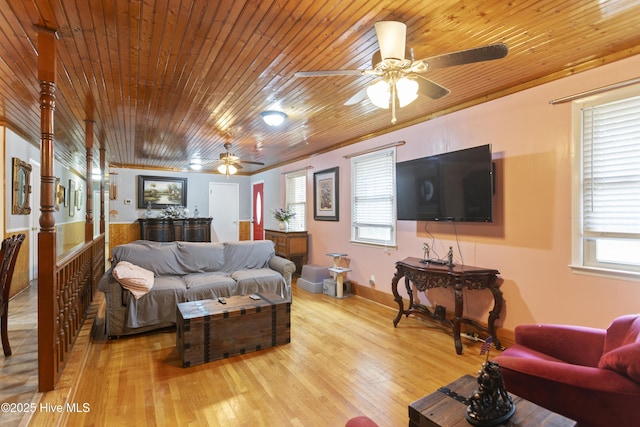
325 195
161 191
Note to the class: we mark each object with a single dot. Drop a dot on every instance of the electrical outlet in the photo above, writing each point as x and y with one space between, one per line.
372 280
128 201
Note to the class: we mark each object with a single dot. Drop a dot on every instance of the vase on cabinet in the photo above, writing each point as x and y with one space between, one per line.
283 225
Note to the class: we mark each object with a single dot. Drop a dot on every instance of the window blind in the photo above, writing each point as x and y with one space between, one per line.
296 198
611 167
373 197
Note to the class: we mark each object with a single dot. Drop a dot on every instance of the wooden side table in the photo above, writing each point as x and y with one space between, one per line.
447 407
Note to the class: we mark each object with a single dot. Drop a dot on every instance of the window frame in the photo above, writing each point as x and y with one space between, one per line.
583 247
292 177
356 236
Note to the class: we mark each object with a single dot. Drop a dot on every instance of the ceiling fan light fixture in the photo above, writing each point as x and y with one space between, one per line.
195 164
378 94
391 39
227 169
407 90
273 117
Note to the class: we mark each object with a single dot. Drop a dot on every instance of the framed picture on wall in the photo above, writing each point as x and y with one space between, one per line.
56 195
325 195
161 191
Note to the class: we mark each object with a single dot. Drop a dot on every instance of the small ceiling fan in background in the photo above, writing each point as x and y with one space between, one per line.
400 73
227 164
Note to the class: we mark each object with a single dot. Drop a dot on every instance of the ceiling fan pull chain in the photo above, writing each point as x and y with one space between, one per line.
393 103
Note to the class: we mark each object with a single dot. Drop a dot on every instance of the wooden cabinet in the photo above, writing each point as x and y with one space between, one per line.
291 245
169 230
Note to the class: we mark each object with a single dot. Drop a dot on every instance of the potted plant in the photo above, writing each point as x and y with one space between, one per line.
283 216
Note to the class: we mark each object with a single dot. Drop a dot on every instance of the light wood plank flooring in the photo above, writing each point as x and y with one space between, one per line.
345 359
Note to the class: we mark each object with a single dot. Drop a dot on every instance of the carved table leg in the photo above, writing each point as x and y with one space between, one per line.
396 296
457 292
494 314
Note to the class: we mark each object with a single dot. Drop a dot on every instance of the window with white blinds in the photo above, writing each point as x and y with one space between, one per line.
296 198
373 198
610 138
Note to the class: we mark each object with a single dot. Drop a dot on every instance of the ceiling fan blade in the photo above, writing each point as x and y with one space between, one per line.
248 162
323 73
358 97
392 36
478 54
429 88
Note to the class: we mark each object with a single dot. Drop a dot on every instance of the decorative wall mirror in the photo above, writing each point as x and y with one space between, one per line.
21 187
73 197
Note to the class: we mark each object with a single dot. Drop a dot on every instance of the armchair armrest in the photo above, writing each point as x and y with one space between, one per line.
577 345
283 266
576 376
111 288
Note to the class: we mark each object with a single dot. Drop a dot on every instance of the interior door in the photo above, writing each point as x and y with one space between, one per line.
258 210
34 225
224 207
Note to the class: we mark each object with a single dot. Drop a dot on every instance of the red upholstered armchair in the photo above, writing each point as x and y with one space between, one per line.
587 374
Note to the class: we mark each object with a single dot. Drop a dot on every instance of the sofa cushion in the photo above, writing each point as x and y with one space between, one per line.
197 280
134 278
209 285
623 330
197 257
247 254
624 360
152 309
259 280
159 257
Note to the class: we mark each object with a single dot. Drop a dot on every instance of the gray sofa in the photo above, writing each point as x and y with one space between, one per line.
186 271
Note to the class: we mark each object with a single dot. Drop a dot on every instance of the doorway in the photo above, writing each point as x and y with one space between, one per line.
224 207
34 219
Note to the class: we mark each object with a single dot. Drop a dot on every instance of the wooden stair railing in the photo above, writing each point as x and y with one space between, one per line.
75 282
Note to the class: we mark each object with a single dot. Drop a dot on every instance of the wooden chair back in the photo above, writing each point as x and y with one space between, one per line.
8 256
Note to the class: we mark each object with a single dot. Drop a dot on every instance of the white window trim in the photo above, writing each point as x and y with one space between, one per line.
391 244
289 176
577 264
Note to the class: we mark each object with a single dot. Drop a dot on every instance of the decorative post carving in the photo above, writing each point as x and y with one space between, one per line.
48 304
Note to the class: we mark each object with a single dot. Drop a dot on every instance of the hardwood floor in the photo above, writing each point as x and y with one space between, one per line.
345 359
19 372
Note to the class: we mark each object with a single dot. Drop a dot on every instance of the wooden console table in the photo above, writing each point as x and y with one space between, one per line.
459 277
170 230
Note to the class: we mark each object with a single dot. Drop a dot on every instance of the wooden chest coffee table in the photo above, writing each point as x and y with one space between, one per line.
209 330
446 407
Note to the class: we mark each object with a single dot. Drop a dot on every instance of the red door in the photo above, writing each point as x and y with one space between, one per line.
258 211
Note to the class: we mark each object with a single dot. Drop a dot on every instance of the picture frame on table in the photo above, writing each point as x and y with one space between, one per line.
326 195
158 192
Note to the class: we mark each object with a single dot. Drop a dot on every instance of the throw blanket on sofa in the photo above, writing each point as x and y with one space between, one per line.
187 271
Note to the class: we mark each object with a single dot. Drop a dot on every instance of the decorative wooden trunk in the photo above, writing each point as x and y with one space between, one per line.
209 330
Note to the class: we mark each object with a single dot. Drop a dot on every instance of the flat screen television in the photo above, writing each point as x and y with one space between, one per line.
454 186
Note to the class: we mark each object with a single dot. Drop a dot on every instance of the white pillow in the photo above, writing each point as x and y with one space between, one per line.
136 279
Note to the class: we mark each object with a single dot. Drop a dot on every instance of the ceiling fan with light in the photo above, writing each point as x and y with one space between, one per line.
400 73
227 164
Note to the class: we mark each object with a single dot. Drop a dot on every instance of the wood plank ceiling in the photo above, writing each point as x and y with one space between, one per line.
167 80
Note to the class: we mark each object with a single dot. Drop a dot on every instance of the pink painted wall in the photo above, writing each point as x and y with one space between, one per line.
529 240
